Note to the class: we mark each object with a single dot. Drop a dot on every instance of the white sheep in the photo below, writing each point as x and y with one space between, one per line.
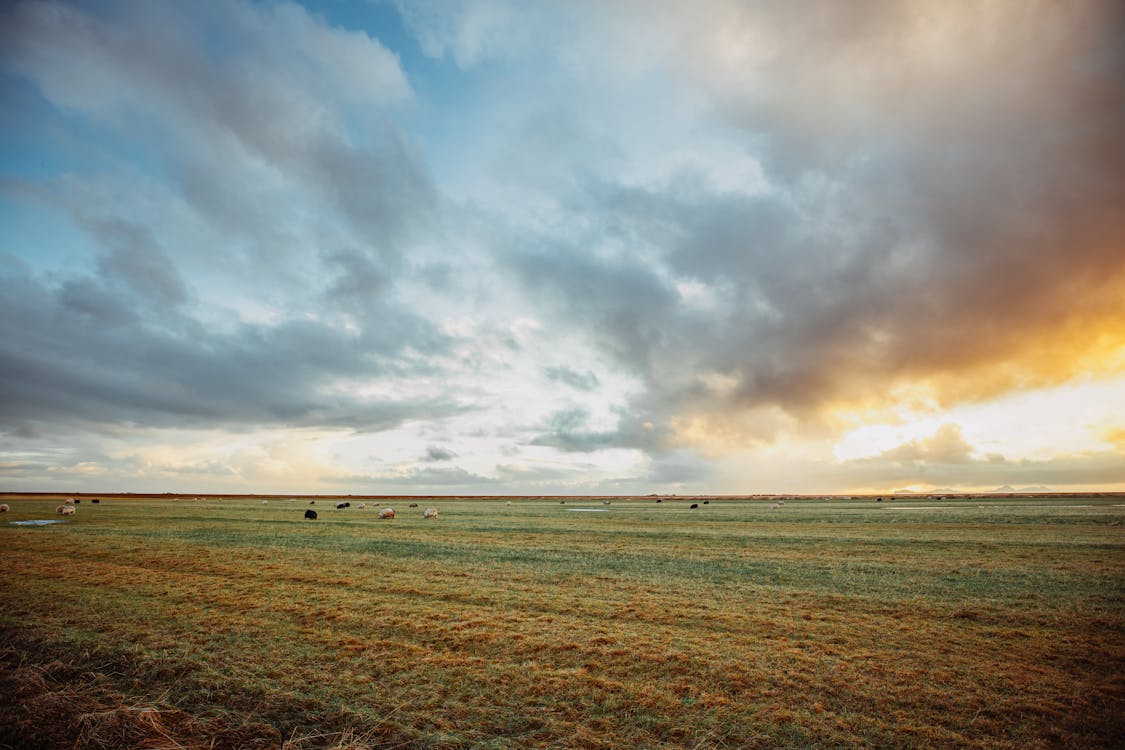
387 513
65 510
361 506
4 508
430 513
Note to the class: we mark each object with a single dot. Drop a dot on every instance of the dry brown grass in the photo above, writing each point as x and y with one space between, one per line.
547 629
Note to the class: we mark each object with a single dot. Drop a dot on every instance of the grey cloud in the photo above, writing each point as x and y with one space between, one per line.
173 371
568 430
681 467
582 381
919 225
435 453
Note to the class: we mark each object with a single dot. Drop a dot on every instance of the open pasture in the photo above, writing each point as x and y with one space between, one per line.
171 622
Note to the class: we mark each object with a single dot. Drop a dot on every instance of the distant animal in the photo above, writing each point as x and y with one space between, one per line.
347 505
65 510
341 506
265 502
562 502
694 506
4 508
77 500
312 502
430 513
878 499
387 513
775 506
69 501
659 500
361 506
508 503
706 502
95 501
414 505
310 515
605 502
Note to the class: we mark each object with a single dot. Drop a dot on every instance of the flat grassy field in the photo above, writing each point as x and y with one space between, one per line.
229 623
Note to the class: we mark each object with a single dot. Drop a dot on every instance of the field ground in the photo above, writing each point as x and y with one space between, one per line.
229 623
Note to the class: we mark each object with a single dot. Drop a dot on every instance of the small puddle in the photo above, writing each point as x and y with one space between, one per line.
35 523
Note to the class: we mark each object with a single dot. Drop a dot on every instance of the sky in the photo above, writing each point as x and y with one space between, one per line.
562 247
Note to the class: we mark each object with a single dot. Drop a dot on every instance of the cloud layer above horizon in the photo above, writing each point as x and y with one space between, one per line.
568 247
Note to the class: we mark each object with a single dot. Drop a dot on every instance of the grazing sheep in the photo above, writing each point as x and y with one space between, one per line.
430 513
605 502
694 506
387 513
310 515
361 506
265 502
414 505
69 501
775 506
4 508
508 503
65 510
341 506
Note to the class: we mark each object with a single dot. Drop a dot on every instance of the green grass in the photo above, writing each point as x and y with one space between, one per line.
965 623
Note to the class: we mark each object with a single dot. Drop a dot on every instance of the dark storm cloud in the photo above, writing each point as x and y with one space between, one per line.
951 219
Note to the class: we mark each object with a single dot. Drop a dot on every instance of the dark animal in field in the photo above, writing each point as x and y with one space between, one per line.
694 506
312 502
95 501
347 505
659 500
706 502
414 505
76 501
878 499
310 515
341 506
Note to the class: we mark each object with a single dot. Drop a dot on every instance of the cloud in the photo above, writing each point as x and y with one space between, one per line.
946 226
435 453
245 191
582 381
946 446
